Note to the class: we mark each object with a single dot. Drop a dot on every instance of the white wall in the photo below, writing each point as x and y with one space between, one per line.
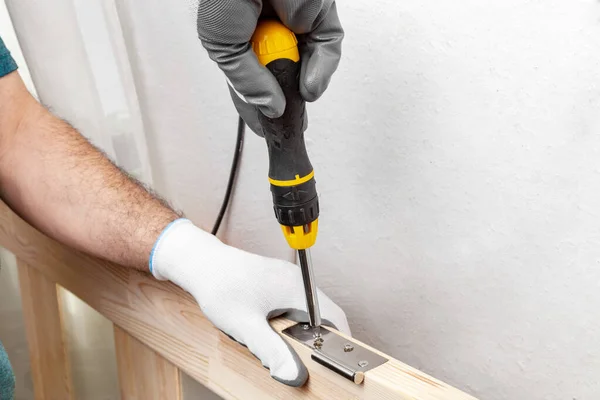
457 159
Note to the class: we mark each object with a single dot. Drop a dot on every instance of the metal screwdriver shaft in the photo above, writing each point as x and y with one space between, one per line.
310 288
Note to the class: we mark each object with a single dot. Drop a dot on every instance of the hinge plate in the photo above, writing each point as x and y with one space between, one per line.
331 350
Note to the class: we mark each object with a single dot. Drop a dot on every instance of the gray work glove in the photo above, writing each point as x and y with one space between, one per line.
225 28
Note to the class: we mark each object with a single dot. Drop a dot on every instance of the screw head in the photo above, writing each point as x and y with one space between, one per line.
363 363
348 348
318 343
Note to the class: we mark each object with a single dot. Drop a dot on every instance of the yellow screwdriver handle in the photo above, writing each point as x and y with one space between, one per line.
291 174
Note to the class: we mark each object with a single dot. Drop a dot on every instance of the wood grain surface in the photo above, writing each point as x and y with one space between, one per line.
143 373
166 319
50 370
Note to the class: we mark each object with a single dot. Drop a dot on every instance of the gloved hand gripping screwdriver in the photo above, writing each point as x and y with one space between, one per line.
291 174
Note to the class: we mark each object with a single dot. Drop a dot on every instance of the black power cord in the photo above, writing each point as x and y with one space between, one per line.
239 145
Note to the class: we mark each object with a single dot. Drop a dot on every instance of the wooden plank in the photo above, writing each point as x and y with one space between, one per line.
143 373
50 368
168 320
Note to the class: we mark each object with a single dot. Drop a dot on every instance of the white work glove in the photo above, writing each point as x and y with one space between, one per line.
239 291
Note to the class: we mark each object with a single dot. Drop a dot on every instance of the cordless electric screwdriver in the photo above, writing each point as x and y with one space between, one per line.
291 174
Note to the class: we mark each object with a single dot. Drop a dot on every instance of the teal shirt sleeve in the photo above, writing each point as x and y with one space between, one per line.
7 379
7 63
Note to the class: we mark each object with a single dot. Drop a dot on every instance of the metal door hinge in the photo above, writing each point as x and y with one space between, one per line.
336 353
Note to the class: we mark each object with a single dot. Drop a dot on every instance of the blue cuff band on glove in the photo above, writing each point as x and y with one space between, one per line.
159 238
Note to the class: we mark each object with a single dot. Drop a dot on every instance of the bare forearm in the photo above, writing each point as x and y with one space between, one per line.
68 189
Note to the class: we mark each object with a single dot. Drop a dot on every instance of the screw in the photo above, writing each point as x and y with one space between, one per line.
348 348
318 343
363 363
